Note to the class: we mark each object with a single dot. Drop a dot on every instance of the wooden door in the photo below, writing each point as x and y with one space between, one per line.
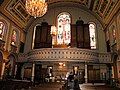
93 75
73 36
86 36
79 32
27 73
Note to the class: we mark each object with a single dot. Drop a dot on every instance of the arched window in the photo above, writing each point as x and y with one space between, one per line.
14 37
63 28
2 29
92 35
114 34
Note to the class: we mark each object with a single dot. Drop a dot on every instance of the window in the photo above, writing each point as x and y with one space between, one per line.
14 37
2 29
92 35
114 34
63 29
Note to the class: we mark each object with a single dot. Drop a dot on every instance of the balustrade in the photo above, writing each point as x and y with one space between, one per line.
66 54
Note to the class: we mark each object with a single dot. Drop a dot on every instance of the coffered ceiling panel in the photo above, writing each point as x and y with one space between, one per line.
101 8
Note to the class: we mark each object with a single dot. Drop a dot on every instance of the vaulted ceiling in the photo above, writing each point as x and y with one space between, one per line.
104 10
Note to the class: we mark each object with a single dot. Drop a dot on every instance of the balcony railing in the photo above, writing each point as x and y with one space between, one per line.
67 54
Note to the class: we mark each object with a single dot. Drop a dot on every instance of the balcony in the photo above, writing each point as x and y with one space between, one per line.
65 54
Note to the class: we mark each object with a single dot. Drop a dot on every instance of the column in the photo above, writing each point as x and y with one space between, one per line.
86 75
15 70
33 72
2 72
113 72
22 72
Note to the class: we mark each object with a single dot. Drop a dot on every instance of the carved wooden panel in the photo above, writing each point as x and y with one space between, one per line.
86 36
42 36
37 37
79 35
73 36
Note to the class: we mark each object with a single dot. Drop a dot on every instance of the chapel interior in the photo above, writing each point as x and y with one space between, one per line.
69 37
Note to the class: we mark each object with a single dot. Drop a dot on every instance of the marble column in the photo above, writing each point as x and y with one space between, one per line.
86 74
33 72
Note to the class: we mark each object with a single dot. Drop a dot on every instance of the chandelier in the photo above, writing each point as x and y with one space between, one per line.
36 8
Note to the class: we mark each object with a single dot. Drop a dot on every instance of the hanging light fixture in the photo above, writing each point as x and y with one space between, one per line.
36 8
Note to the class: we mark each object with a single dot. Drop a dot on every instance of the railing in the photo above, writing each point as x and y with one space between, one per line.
22 57
68 54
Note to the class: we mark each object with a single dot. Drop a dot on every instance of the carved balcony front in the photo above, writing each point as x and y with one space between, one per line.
67 54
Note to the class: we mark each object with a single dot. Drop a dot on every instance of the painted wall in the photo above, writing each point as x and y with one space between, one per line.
75 13
116 23
10 27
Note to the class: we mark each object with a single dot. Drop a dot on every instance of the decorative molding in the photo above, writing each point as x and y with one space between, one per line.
17 10
78 1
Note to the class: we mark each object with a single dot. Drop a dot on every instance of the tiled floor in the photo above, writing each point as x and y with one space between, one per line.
96 87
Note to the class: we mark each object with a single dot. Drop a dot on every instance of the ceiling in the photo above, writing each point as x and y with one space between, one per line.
104 10
100 7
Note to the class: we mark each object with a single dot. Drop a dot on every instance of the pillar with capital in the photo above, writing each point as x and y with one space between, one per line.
86 75
15 70
33 72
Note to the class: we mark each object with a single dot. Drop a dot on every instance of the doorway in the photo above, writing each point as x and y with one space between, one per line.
93 74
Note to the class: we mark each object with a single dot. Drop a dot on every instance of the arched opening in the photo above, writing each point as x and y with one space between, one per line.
14 37
61 34
63 29
3 29
92 30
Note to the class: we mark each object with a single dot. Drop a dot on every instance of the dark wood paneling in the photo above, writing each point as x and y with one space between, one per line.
37 34
73 36
44 34
86 36
79 36
43 38
49 37
80 41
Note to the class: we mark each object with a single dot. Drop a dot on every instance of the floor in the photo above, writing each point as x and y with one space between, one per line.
88 86
96 87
